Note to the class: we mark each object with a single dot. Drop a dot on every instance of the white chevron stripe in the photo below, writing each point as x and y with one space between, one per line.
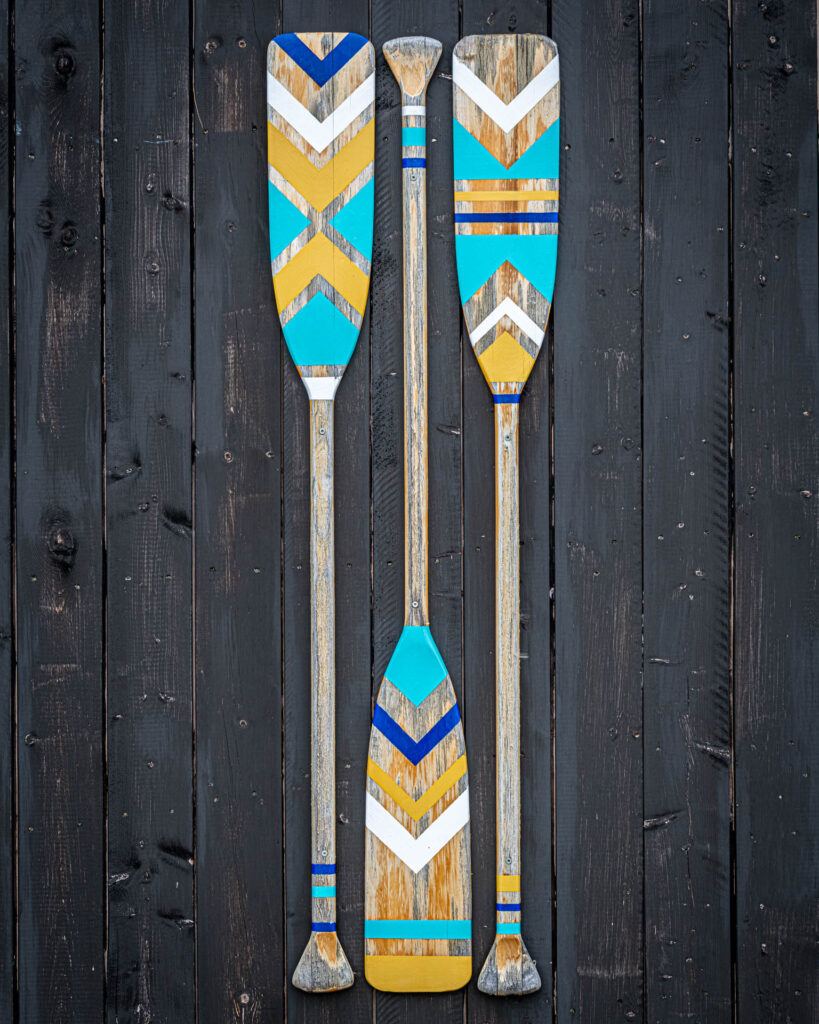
320 133
417 853
511 309
505 115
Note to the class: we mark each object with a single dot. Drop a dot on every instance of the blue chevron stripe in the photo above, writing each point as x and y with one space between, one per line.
321 70
411 750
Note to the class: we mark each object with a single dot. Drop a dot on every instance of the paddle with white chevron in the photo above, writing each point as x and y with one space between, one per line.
506 100
320 130
417 903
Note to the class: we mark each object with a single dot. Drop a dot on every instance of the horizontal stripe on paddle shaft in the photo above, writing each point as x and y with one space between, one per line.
414 111
417 973
506 218
323 891
413 161
505 908
508 883
508 929
506 399
324 869
418 929
499 196
416 809
416 136
324 926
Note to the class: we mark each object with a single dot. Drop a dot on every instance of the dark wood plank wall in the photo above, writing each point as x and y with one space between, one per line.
154 640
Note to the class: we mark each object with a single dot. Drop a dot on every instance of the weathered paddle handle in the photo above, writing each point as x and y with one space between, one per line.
412 60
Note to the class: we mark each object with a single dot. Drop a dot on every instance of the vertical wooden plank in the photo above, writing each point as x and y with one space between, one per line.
776 637
7 820
148 499
535 634
59 513
353 650
441 21
687 516
239 904
598 517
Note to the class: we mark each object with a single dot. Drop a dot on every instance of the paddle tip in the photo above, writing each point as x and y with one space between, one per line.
323 966
412 59
508 970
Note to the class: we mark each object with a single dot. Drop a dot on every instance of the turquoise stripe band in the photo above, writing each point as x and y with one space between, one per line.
416 136
324 890
418 930
508 929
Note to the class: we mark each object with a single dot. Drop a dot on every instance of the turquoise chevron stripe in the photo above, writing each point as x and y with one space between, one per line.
414 136
286 220
479 256
324 890
416 667
355 220
418 929
474 161
320 335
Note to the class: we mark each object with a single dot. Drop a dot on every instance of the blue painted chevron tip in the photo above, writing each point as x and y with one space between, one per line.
321 70
416 668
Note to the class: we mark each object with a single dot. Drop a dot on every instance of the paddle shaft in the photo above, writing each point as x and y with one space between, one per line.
507 644
322 655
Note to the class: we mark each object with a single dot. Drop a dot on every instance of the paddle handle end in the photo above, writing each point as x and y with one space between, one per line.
412 59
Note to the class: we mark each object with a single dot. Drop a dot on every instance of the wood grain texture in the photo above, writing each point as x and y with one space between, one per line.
151 956
598 521
417 891
776 467
686 513
506 104
237 478
59 567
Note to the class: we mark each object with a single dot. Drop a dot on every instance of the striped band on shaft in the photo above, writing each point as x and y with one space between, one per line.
324 926
324 869
506 399
506 218
323 891
507 908
508 929
414 110
413 161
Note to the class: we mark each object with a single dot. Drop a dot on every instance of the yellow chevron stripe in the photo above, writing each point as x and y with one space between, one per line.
416 809
508 883
502 196
320 256
320 186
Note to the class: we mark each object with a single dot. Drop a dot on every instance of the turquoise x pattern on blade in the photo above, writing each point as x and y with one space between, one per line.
415 751
321 70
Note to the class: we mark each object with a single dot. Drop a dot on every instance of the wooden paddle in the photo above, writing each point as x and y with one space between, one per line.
506 99
417 927
321 133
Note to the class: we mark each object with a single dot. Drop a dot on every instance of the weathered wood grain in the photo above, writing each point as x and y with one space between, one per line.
598 521
686 512
151 956
239 862
776 540
59 514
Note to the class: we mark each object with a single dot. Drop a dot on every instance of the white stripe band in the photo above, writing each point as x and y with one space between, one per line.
419 111
321 387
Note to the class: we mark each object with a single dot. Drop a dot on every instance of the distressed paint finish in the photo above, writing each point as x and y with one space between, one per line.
506 102
321 104
418 929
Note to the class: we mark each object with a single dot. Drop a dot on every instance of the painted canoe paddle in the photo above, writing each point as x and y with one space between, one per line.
321 140
506 100
417 928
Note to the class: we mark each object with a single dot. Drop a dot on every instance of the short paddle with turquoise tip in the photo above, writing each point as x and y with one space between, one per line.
506 97
320 107
417 900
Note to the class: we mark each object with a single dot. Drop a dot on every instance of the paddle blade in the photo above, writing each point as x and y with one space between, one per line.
321 141
506 102
417 902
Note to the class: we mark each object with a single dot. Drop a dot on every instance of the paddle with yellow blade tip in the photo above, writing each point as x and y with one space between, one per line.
417 903
320 109
506 100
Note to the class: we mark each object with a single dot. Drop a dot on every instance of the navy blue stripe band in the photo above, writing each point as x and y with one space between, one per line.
413 161
504 907
506 399
324 926
506 218
324 869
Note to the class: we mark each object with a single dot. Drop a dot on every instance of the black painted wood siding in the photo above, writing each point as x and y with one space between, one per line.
154 627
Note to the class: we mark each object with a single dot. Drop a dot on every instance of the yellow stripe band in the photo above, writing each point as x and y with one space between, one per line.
417 808
508 883
417 973
501 196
